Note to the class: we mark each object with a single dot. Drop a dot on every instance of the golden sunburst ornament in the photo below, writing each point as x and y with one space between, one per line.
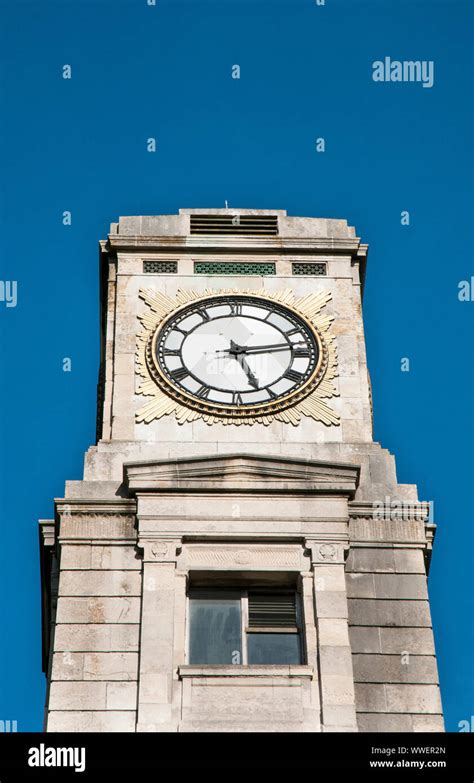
236 357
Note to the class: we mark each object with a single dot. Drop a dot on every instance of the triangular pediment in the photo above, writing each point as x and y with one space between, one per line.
242 473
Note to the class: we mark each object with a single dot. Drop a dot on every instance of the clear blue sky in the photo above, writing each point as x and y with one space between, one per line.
165 72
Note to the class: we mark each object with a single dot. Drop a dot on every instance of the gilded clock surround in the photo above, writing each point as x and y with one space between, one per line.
169 398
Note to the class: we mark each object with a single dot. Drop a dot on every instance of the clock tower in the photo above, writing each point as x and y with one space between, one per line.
239 555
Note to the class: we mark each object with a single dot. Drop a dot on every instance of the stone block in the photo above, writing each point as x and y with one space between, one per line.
91 583
360 585
93 721
333 632
411 586
110 666
77 695
67 666
335 660
427 723
121 695
98 610
370 697
337 690
413 698
365 639
106 638
416 641
339 715
409 561
376 559
394 668
389 613
379 722
331 604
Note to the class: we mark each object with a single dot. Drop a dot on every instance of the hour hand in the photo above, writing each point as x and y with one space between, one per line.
253 381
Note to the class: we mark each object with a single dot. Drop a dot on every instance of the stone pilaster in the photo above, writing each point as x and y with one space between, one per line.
335 658
155 689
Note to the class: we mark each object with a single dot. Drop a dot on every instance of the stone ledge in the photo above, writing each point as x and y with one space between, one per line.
234 670
248 473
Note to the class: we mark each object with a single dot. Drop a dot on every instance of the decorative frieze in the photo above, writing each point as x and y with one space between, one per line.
221 556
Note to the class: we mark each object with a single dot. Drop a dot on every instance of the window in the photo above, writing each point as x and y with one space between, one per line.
244 627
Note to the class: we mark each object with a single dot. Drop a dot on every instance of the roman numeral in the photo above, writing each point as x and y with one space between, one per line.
235 308
271 392
203 392
292 375
204 314
301 352
236 398
292 331
170 352
179 374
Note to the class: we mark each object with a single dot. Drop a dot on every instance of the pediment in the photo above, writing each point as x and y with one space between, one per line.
242 473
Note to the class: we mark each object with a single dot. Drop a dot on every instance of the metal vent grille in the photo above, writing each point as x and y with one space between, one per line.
272 610
233 268
161 267
261 225
304 268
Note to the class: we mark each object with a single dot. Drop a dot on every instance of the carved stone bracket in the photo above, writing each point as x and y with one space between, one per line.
330 552
159 549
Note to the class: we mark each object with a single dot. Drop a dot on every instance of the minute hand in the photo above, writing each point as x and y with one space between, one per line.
267 348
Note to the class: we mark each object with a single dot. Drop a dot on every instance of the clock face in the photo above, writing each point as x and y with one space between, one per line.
235 351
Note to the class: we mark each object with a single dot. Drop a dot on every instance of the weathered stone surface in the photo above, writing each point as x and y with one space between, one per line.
89 583
371 639
380 722
386 586
371 560
400 698
389 613
395 668
98 610
98 557
77 696
91 721
96 638
121 695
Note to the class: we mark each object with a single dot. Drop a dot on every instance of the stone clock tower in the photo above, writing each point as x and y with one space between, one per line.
239 555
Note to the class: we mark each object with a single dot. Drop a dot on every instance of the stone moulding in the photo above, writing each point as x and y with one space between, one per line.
243 473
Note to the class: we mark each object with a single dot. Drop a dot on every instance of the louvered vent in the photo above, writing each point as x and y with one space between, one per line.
305 268
272 610
161 267
259 225
233 268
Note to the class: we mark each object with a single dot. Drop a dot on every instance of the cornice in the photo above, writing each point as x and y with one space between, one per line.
126 242
242 473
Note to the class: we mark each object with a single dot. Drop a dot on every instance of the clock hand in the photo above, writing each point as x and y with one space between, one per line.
246 349
253 381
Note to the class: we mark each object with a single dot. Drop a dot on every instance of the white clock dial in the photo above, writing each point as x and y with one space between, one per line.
236 350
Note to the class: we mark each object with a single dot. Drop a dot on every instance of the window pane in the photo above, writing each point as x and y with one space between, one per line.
215 628
267 648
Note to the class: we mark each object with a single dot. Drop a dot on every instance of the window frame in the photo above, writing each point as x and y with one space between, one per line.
245 628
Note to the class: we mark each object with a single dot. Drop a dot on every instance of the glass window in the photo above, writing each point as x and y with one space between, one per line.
215 627
273 648
244 627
